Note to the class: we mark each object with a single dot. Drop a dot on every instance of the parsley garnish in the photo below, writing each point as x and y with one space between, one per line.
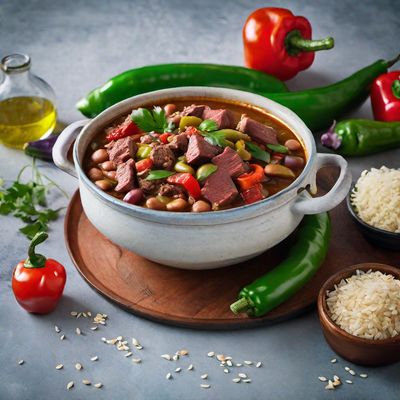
208 125
152 121
258 153
27 201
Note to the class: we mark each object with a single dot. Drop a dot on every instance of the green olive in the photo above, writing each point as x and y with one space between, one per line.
144 151
205 171
180 166
244 154
189 121
233 135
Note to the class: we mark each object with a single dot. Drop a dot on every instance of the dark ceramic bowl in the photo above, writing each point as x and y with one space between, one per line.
378 237
355 349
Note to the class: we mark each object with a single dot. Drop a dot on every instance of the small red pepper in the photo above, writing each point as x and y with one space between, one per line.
253 194
164 137
188 181
37 282
249 179
385 97
142 165
127 128
279 43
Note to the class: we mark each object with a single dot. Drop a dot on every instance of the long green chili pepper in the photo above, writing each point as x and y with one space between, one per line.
320 106
163 76
360 137
302 262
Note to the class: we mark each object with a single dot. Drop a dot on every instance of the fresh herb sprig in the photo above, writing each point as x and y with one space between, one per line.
152 121
27 201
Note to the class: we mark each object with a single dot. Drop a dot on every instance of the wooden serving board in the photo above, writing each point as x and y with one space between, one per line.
201 299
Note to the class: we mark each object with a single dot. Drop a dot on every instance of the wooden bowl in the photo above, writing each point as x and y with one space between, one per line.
355 349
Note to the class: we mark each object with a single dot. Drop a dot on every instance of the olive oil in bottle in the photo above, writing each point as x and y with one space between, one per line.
27 110
24 119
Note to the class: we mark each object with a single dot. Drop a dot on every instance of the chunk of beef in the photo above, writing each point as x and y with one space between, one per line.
258 131
121 150
174 191
149 187
146 139
179 143
125 176
223 118
230 162
163 157
194 110
219 189
199 150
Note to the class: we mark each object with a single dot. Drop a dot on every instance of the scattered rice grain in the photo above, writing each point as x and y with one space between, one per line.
86 382
168 376
363 376
59 366
70 385
211 354
98 385
20 362
204 386
204 376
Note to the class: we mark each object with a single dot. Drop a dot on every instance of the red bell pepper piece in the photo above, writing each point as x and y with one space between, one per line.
279 43
127 128
249 179
37 282
188 181
191 130
253 194
142 165
164 137
385 97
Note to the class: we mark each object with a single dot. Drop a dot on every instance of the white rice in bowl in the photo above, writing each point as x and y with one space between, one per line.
367 305
376 198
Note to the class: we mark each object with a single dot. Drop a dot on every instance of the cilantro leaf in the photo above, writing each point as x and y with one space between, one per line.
149 121
215 138
258 153
158 174
208 125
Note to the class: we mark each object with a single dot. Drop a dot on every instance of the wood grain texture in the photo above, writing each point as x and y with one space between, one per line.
201 299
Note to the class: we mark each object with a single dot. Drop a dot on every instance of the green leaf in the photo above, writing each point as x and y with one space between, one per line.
208 125
27 201
215 138
258 153
278 148
149 121
158 174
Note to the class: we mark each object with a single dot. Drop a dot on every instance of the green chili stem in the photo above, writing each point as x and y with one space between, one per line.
393 61
295 43
241 305
35 260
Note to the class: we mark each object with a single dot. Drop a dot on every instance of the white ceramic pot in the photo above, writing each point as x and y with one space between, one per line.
205 240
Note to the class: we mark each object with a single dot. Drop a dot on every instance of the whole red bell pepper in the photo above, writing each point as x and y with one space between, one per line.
279 43
385 97
37 282
188 181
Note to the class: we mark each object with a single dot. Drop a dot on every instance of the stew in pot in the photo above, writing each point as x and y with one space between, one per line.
186 156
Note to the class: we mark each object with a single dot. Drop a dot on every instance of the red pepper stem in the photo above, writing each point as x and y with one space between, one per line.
295 43
241 305
35 260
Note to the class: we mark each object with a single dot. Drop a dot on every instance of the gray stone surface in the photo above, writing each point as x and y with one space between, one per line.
76 46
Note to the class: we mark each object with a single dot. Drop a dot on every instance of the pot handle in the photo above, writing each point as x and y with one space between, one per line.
334 196
63 144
